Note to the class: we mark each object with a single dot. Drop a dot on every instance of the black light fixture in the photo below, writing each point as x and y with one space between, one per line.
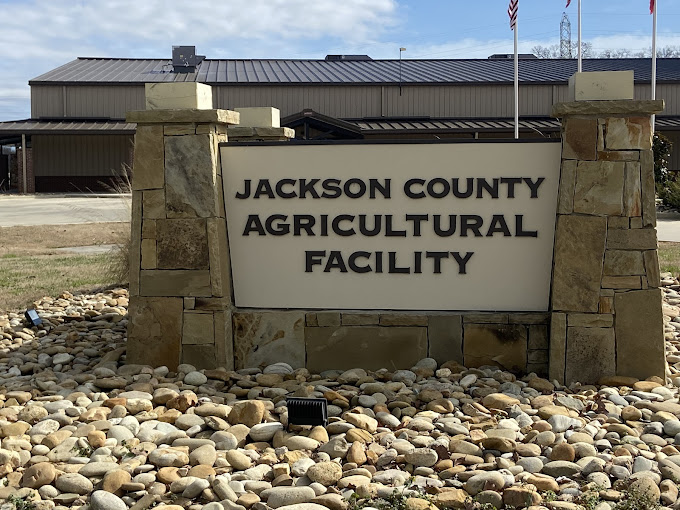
33 317
307 411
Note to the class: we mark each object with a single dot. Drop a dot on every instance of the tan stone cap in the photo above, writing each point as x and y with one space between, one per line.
612 107
183 116
255 132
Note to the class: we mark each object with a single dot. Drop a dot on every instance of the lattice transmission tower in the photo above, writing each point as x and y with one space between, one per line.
565 36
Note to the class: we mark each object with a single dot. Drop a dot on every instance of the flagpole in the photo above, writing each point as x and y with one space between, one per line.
580 66
654 61
516 86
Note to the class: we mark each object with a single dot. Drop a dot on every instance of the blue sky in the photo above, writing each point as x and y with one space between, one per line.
39 35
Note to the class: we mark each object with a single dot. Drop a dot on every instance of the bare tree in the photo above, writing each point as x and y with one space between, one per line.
553 51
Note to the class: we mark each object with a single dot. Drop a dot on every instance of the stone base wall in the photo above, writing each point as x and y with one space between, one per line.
30 175
606 302
323 340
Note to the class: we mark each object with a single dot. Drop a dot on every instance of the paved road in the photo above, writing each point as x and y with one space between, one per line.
668 226
62 209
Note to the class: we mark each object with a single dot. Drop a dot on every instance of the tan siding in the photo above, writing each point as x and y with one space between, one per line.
343 102
79 155
47 101
103 101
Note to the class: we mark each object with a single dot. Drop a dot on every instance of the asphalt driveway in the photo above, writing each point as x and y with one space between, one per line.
46 209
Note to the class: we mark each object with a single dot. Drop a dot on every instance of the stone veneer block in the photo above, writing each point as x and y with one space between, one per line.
224 340
639 334
623 262
218 250
636 239
191 176
198 329
648 189
360 319
538 337
529 318
403 319
135 255
537 357
203 356
632 205
216 304
185 116
626 133
558 346
175 283
147 170
179 129
651 258
149 229
599 188
259 116
154 331
599 85
579 139
591 354
324 318
620 222
602 108
606 305
503 345
445 338
565 203
590 320
636 222
263 338
579 249
310 320
182 244
486 318
621 282
370 347
148 254
178 95
618 156
153 206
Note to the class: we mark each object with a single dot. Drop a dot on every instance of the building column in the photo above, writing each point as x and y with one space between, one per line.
605 298
180 280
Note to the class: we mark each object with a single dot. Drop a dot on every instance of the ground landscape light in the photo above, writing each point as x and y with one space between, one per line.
307 411
33 317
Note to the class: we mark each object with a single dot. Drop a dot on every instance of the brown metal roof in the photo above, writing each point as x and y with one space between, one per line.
36 127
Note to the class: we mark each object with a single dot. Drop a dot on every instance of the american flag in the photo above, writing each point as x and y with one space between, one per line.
651 6
512 12
568 2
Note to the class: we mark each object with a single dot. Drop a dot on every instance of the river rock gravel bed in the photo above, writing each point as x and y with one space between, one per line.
79 428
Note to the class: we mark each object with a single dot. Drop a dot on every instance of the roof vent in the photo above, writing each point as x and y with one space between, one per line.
335 58
509 56
184 59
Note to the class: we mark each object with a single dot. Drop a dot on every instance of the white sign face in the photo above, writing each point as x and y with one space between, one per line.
450 226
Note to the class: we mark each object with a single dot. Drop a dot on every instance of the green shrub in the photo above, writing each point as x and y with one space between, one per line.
662 147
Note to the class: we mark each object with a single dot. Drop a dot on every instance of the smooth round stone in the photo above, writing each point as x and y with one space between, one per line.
278 368
120 433
491 480
531 464
367 401
421 457
671 428
642 464
195 378
73 483
264 431
102 500
282 496
558 468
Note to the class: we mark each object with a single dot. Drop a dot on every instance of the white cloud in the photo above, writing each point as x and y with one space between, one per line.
49 33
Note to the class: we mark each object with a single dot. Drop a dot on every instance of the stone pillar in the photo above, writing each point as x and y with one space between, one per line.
606 302
260 124
180 281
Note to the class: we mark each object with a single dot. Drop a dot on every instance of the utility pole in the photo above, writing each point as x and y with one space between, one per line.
400 52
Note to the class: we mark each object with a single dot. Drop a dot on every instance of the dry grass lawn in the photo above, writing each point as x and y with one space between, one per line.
31 268
669 257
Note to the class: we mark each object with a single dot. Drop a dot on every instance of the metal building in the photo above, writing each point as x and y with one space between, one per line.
78 139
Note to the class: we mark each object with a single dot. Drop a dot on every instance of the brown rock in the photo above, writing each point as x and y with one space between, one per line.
167 475
114 480
38 475
356 454
520 497
499 401
451 498
563 451
183 401
248 413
